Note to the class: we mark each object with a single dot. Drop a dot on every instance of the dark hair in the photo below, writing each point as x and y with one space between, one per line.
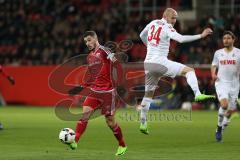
229 33
90 33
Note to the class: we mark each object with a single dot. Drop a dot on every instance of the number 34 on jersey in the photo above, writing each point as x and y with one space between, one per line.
154 35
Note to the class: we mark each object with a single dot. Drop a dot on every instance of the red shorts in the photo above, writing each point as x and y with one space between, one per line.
104 100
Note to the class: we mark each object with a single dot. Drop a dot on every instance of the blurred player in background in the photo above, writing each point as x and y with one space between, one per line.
156 36
225 72
103 94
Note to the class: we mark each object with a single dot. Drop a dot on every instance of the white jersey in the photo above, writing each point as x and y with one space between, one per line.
156 36
228 65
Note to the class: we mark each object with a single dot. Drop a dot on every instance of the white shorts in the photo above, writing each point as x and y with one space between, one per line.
229 91
164 67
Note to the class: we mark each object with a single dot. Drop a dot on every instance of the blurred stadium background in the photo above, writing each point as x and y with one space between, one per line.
38 35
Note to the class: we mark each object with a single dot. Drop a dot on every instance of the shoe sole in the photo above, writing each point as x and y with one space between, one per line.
144 132
121 153
207 99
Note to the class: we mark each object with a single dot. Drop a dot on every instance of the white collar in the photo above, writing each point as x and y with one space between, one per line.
165 21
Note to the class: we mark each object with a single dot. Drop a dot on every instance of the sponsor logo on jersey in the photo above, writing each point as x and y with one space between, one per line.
226 62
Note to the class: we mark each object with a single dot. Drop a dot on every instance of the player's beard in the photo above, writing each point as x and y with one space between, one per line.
93 48
228 46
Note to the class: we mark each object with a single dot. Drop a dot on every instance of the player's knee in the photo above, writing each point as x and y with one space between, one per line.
87 112
190 69
228 113
84 119
187 70
224 104
110 122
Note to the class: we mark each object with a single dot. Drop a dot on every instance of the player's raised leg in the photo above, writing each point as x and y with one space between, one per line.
192 81
113 125
81 125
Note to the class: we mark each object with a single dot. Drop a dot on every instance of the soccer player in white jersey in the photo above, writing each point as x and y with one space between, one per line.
227 62
156 36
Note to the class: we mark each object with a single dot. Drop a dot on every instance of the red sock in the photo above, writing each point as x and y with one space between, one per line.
80 128
118 134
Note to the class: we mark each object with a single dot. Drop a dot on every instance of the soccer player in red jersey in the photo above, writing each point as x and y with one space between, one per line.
103 93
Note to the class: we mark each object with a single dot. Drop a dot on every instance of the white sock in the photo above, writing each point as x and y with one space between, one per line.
193 82
221 113
225 122
144 110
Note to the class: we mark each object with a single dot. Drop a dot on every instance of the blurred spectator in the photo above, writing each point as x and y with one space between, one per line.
48 32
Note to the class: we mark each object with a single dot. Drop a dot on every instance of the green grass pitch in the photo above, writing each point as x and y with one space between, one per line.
31 133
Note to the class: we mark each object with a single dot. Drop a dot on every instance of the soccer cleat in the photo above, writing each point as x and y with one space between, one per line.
121 151
73 145
144 129
203 97
218 134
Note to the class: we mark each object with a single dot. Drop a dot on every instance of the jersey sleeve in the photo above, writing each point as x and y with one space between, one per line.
116 65
215 60
143 35
111 56
173 34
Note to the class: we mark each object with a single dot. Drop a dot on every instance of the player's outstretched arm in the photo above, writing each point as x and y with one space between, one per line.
189 38
206 32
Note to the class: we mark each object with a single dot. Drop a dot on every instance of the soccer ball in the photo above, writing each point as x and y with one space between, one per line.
67 135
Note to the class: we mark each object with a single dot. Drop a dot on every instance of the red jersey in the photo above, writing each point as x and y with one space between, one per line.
99 72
